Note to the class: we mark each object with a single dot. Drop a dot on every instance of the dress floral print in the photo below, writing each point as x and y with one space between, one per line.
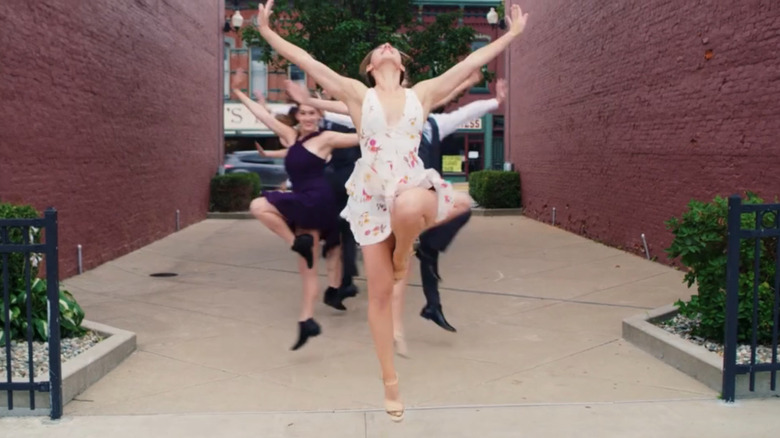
388 166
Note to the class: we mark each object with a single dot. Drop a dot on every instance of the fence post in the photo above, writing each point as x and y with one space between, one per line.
732 299
53 300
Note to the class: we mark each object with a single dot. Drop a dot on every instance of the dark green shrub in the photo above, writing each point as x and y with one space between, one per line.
15 235
700 241
495 188
234 191
71 314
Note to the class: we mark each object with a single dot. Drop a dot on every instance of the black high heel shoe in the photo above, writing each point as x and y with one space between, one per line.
306 329
304 245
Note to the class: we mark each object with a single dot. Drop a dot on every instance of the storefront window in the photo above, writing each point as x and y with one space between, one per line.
453 154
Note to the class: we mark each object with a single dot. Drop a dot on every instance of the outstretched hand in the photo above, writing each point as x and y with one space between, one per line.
260 150
296 91
238 81
264 14
515 22
259 96
501 89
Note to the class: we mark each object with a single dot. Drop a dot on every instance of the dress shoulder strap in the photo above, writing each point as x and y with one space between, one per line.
309 136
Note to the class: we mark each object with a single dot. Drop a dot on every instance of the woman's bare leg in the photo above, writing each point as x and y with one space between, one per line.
307 326
266 213
333 260
399 292
311 283
413 211
379 273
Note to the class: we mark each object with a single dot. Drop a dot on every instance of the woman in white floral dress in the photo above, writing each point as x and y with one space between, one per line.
393 198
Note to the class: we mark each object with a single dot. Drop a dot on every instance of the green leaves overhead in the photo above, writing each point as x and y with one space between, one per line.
341 33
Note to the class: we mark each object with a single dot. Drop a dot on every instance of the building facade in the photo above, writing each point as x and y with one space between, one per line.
479 144
622 112
111 114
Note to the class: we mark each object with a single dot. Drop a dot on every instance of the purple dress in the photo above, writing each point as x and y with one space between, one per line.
311 205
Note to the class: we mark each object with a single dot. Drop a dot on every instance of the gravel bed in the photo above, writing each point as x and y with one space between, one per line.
682 326
70 348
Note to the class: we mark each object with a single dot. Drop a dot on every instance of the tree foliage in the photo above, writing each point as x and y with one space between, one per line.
340 33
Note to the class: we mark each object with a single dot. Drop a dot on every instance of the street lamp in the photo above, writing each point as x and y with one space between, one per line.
492 17
237 19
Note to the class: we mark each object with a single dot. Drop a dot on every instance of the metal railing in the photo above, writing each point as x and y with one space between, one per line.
765 233
16 239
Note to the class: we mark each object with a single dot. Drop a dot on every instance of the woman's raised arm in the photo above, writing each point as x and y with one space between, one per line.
434 90
340 87
286 133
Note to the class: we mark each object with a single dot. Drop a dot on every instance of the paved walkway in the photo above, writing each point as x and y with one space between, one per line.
538 350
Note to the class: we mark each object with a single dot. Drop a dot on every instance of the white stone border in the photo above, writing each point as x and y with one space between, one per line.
79 372
694 360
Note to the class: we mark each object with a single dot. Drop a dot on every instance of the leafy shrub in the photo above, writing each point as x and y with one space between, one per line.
71 314
700 241
234 191
16 236
495 188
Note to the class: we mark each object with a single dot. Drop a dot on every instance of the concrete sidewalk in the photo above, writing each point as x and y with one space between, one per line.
538 350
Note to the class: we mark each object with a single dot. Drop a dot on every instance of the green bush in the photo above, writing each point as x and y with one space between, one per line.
700 241
71 314
15 235
495 188
234 191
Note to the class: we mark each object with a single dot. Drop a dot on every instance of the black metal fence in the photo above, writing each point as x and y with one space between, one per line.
765 233
16 238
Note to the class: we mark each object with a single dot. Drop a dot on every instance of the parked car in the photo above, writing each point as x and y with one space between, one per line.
271 170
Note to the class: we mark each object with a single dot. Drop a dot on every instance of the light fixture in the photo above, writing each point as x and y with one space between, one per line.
492 17
237 20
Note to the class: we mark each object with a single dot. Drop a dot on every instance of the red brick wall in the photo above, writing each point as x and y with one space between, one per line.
618 119
111 113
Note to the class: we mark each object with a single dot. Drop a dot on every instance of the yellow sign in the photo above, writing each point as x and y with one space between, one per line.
452 163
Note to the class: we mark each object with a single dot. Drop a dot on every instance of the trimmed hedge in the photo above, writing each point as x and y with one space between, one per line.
234 191
495 188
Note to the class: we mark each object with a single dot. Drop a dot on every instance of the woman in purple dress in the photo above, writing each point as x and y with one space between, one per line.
308 213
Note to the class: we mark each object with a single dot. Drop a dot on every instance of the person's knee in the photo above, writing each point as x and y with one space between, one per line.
380 299
411 206
258 206
462 201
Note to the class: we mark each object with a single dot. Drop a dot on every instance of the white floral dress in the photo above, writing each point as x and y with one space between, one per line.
388 166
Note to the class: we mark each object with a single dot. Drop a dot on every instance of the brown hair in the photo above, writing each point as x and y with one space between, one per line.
367 60
289 119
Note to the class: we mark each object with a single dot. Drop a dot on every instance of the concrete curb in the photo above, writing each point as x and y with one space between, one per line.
476 211
479 211
694 360
79 372
229 215
89 367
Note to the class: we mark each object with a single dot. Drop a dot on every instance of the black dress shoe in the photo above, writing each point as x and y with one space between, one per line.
303 245
306 329
348 291
333 299
435 314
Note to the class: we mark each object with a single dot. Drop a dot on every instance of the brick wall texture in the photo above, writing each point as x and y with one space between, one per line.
111 113
618 118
